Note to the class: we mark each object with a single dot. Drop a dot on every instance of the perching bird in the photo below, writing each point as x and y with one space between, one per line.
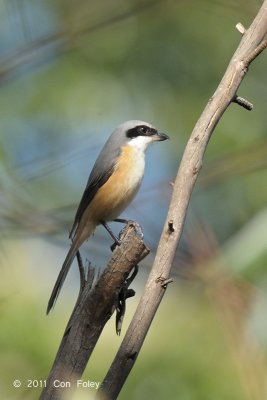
112 185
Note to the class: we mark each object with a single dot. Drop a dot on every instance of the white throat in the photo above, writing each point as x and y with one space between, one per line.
140 142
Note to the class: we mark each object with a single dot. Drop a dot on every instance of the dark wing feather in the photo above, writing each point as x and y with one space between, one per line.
102 170
90 191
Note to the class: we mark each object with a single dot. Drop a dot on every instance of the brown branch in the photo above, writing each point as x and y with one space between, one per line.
92 311
250 46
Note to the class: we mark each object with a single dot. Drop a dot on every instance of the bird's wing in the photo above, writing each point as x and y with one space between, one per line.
88 195
101 172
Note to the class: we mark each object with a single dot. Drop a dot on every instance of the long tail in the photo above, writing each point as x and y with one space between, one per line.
62 276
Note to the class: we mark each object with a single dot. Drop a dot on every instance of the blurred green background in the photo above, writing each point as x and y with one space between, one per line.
70 72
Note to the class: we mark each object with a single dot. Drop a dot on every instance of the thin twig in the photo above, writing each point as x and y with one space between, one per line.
81 271
240 27
243 103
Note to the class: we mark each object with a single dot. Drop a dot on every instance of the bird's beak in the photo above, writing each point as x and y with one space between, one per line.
159 136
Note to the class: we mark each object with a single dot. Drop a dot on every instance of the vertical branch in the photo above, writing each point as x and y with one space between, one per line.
251 45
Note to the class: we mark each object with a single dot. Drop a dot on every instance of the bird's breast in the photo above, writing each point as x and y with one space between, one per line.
130 167
119 190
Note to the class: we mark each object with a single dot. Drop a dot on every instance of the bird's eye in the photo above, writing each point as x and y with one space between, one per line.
143 130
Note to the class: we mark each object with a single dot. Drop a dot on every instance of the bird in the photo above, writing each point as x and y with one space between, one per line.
113 183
